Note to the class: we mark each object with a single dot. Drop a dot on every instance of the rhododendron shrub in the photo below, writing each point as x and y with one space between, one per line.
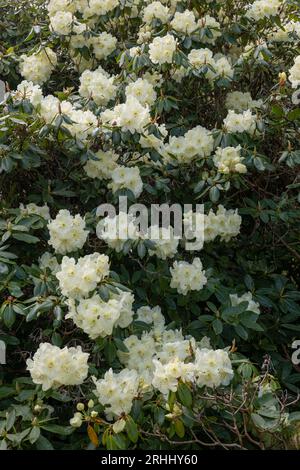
116 335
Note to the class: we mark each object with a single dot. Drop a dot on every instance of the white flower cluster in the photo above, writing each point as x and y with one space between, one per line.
162 357
83 123
117 230
28 91
103 166
206 227
184 22
155 10
213 26
96 7
294 76
53 367
212 368
116 391
224 223
247 297
61 22
187 277
103 45
98 318
161 49
263 9
197 142
239 101
142 90
229 160
286 32
38 67
67 233
166 244
97 85
30 209
48 261
130 116
79 279
240 122
126 178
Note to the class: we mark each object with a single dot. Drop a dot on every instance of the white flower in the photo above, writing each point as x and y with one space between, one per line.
116 391
28 91
243 122
98 86
52 107
117 230
229 160
97 7
130 116
79 279
155 10
29 209
263 8
213 26
103 45
166 243
212 368
166 376
127 178
61 5
150 315
294 76
224 223
53 367
142 90
246 297
49 261
161 49
76 421
38 67
96 317
200 57
103 166
61 22
184 22
67 233
187 276
239 101
197 142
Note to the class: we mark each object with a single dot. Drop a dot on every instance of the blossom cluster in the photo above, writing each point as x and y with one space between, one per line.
53 367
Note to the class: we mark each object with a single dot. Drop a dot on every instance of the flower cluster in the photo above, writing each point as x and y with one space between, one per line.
67 233
79 279
30 209
98 318
187 276
116 391
53 367
38 67
240 122
97 85
228 160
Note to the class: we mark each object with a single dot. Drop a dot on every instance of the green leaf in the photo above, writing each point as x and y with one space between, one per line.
217 326
25 237
57 429
34 434
131 429
184 395
179 428
214 194
43 444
